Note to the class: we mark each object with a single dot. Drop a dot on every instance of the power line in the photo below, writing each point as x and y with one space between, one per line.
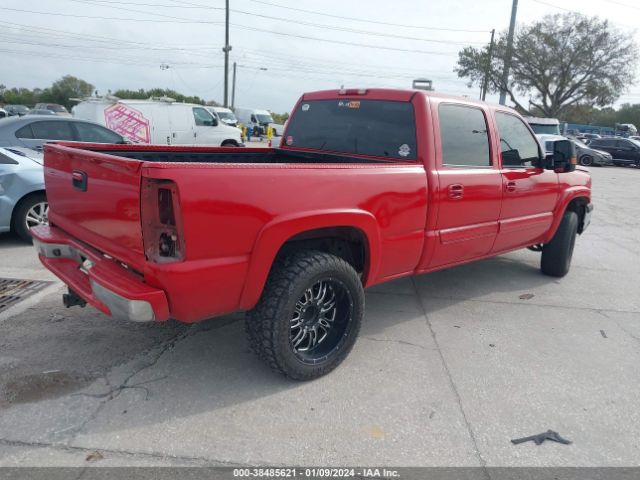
287 20
623 4
129 44
107 18
339 42
356 19
579 13
244 27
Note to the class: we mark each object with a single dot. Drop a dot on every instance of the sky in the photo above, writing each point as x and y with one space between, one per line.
283 48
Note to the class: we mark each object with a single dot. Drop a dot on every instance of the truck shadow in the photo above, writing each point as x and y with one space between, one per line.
177 370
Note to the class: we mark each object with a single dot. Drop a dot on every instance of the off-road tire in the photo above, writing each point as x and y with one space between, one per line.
268 325
556 255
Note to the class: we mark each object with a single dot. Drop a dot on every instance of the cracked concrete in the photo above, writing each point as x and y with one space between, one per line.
449 367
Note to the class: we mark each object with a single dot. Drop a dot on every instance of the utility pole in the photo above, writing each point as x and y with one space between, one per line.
509 52
485 83
226 50
233 87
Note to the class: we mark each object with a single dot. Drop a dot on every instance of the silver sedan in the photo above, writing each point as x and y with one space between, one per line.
23 203
33 131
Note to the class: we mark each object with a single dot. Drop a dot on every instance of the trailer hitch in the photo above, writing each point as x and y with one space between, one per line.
72 299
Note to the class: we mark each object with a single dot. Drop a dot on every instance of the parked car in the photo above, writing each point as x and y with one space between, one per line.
19 110
23 203
161 121
625 151
40 111
33 131
57 109
226 115
591 136
369 186
588 156
3 113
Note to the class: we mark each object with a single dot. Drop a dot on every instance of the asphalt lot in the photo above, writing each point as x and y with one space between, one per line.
449 367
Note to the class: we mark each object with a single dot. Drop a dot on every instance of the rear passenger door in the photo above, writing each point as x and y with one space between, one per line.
470 185
530 192
36 134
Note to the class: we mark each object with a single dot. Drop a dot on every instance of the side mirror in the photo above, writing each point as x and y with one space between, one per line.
214 123
563 159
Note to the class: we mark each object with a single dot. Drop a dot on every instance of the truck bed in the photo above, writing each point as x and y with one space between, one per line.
225 155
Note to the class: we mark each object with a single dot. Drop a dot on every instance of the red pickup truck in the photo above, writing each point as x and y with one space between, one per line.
367 186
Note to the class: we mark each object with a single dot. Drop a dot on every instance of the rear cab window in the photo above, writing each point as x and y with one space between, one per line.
464 137
379 128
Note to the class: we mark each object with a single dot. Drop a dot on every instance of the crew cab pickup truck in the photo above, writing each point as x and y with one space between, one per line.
366 187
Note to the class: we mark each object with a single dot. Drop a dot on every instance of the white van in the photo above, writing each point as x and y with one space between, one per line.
253 117
159 121
225 114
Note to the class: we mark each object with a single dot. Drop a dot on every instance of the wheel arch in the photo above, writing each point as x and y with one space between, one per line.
23 199
351 234
573 199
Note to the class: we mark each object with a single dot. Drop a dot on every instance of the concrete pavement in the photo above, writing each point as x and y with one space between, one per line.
449 367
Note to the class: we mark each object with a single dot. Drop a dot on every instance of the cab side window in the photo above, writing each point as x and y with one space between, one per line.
202 117
518 147
463 135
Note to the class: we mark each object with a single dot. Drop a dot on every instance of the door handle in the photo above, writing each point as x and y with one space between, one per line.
79 180
456 191
510 186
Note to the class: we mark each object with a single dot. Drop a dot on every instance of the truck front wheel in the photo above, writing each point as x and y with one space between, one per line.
556 255
309 315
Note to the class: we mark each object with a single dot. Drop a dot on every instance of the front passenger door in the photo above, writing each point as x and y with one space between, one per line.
530 193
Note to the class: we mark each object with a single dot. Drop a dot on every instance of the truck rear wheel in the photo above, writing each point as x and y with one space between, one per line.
309 315
556 255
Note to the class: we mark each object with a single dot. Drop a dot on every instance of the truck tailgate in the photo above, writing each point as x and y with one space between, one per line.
96 198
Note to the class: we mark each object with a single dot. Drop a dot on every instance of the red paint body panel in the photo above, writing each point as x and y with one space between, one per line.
235 217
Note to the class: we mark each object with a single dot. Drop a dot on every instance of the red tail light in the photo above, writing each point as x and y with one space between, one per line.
162 232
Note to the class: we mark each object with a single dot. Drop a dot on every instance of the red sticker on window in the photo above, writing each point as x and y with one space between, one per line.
289 140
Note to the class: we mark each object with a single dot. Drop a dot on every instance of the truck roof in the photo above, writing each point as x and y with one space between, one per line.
394 94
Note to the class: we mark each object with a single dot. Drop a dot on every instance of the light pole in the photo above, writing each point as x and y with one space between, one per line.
508 53
226 49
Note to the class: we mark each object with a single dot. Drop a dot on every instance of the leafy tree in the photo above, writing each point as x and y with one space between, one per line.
66 88
280 118
606 117
561 61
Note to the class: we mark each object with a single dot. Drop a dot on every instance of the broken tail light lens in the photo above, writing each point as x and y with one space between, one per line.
162 232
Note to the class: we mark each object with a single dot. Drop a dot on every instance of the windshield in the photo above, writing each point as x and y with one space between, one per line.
17 108
56 108
262 118
369 127
635 142
545 129
580 143
227 116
